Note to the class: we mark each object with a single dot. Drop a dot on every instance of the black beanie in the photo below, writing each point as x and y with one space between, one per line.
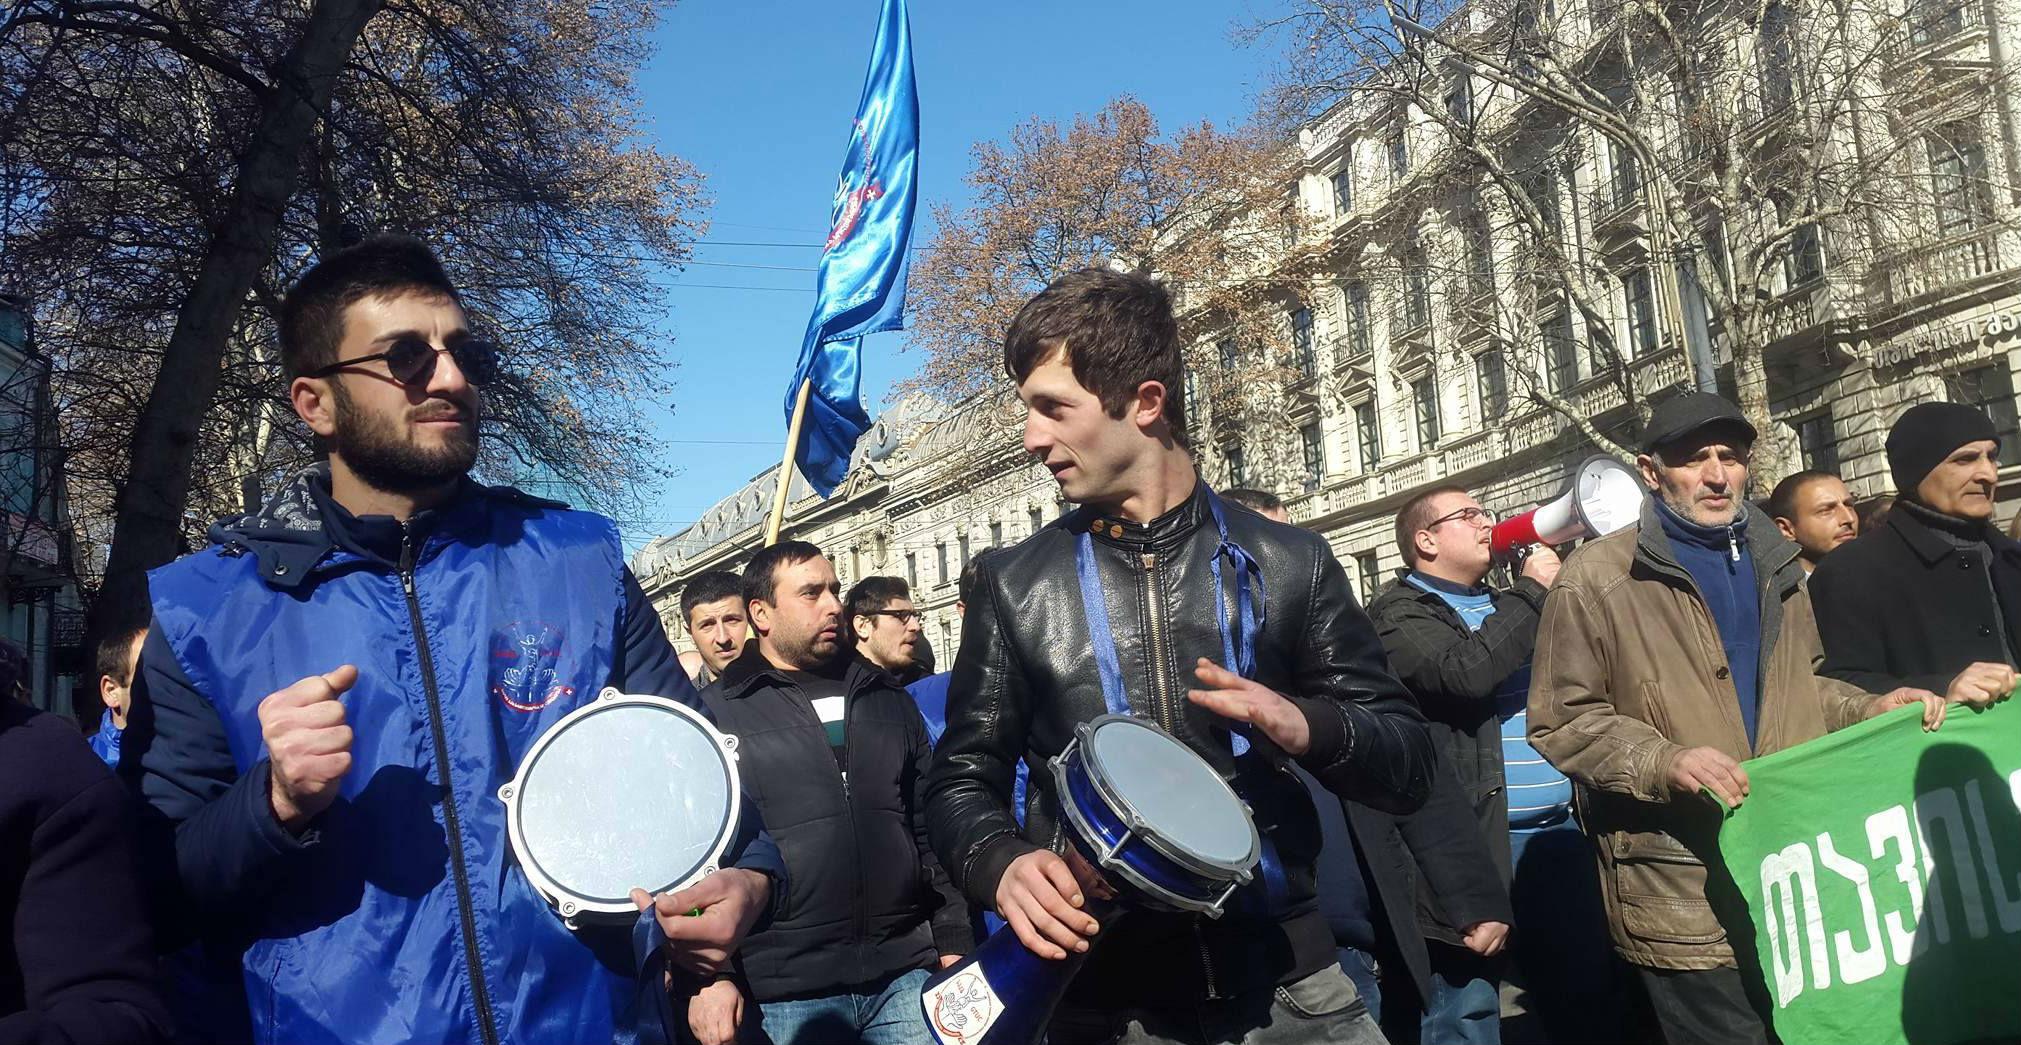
1926 434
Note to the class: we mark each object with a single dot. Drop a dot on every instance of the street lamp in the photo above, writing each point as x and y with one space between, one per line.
1684 300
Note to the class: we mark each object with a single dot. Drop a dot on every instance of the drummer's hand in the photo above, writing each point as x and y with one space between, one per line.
715 1012
1245 700
1039 899
730 901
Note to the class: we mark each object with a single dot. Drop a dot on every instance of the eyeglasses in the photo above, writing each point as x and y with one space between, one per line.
411 361
903 617
1470 515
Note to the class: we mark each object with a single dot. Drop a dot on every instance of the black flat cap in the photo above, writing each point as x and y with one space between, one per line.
1674 419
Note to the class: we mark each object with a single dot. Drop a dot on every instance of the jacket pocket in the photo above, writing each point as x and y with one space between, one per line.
1660 887
1327 992
1653 710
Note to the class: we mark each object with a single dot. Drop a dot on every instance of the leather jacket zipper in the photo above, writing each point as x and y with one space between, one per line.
487 1026
1165 707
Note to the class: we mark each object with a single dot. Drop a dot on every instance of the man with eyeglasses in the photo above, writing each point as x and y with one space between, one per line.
332 694
1463 648
885 625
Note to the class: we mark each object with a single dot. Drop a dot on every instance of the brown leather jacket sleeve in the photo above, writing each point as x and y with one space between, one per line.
1573 718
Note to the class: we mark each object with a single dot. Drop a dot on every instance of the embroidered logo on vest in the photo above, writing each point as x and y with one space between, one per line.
523 659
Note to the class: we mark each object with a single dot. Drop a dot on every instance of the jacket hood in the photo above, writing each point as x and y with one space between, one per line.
290 534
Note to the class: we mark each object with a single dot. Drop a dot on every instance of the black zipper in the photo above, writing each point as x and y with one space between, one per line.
1166 708
487 1026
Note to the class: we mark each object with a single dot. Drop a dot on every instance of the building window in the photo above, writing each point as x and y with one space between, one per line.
1424 394
1561 352
1371 574
1494 385
1301 343
1343 192
1313 453
940 553
1777 57
1358 340
1238 471
1542 191
996 535
1231 353
947 639
856 562
1038 520
1367 435
963 539
1460 99
1958 177
1417 291
912 569
1820 447
1806 258
1399 155
1480 250
1934 20
1636 289
1192 392
1990 388
1627 176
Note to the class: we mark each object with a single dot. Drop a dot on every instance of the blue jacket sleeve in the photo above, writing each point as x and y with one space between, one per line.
200 815
647 664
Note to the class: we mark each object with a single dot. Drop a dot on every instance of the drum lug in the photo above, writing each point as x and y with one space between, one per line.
1109 851
505 793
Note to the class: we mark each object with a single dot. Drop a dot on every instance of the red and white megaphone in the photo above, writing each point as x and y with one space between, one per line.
1603 496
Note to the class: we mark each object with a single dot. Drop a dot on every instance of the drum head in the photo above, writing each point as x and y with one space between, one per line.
1182 801
625 792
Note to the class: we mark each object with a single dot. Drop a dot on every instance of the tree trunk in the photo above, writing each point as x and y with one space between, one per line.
1775 451
150 508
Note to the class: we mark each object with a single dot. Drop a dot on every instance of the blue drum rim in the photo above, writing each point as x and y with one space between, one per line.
1219 875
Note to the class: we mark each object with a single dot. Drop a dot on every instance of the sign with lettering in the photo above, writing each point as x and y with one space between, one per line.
1958 335
1881 867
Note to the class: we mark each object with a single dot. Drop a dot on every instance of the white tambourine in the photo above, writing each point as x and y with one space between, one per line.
626 791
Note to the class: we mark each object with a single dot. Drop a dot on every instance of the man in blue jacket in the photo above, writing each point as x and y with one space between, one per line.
336 689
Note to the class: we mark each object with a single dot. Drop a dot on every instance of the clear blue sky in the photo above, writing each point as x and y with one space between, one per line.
758 95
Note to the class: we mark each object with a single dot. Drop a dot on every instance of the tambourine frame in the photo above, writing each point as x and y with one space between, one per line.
569 903
1238 872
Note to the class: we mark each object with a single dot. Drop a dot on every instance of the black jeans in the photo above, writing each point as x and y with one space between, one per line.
1706 1007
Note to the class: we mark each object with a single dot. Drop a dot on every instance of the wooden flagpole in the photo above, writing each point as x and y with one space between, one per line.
786 466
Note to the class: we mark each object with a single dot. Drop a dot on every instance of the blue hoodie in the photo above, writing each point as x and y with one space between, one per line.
1718 559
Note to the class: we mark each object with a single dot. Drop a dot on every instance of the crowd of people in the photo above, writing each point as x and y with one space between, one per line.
1478 795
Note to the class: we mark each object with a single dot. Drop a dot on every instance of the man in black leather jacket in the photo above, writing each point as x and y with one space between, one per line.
1097 363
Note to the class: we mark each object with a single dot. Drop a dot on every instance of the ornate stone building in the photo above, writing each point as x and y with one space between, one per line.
1404 364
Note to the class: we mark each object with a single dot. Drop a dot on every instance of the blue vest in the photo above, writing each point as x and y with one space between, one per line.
365 940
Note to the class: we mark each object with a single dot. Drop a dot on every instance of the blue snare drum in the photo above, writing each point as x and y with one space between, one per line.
1154 817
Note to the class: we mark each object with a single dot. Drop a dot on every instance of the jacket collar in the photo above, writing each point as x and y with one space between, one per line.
1922 535
751 672
300 529
1774 555
1162 533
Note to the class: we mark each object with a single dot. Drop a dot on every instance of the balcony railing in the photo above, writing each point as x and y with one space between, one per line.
1941 265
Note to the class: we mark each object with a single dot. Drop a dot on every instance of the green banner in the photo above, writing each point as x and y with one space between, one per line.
1881 866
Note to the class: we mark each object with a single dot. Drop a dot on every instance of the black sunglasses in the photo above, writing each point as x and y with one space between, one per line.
411 361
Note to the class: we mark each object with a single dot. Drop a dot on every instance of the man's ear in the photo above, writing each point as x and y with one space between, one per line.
1646 464
1788 531
760 614
314 400
1427 546
1149 407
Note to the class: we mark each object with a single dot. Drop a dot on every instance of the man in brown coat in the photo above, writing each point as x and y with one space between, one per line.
1667 654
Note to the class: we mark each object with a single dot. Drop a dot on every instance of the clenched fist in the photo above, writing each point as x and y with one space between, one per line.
308 745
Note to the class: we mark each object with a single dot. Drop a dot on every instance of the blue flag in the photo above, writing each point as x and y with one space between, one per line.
861 285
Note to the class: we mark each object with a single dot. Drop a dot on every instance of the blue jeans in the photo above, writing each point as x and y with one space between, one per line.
1466 1003
1564 961
1359 965
874 1014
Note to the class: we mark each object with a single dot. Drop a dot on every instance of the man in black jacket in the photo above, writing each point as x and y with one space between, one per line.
1464 649
836 755
1933 594
77 965
1096 359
